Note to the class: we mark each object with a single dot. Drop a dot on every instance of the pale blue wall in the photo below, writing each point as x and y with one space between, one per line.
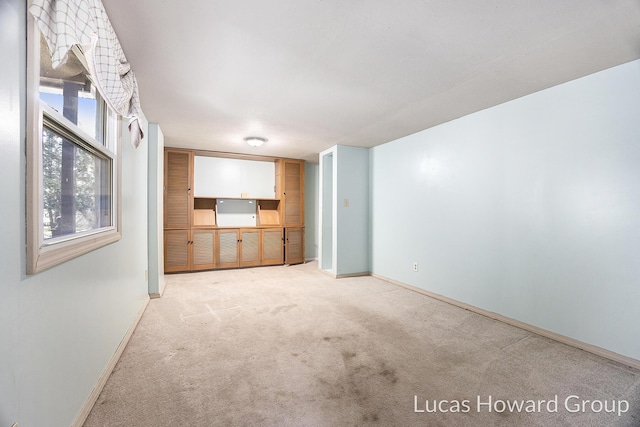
530 209
344 220
12 212
352 208
326 211
59 328
310 210
155 143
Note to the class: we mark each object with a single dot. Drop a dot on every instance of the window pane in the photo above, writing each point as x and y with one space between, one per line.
68 90
76 184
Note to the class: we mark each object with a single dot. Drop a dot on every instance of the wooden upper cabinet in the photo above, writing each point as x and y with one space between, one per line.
290 190
178 179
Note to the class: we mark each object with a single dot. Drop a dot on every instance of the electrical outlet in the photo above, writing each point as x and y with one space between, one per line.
415 266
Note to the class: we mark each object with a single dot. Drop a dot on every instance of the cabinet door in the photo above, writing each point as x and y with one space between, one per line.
228 249
272 246
178 202
202 249
294 245
292 196
249 248
176 250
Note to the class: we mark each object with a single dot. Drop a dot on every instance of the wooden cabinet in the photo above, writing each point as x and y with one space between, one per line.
249 247
176 250
178 178
194 239
294 245
178 205
290 190
228 248
272 246
186 250
203 249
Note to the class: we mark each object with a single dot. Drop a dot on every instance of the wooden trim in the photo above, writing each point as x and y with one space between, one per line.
239 156
41 257
590 348
33 150
97 389
65 251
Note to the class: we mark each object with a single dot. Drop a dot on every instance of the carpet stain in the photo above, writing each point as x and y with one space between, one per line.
370 418
347 355
283 309
389 374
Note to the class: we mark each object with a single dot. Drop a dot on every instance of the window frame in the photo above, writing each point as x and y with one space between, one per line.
42 254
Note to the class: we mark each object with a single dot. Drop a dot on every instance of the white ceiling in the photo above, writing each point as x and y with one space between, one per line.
309 74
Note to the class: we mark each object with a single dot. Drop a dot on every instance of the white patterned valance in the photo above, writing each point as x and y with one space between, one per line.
65 23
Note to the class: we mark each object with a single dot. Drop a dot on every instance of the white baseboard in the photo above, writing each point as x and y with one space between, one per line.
599 351
97 389
344 276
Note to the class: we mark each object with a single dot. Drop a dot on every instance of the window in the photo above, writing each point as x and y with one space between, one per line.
72 160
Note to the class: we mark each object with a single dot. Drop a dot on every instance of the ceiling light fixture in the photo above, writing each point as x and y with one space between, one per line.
255 141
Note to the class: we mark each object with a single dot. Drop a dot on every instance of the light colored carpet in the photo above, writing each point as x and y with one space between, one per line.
290 346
